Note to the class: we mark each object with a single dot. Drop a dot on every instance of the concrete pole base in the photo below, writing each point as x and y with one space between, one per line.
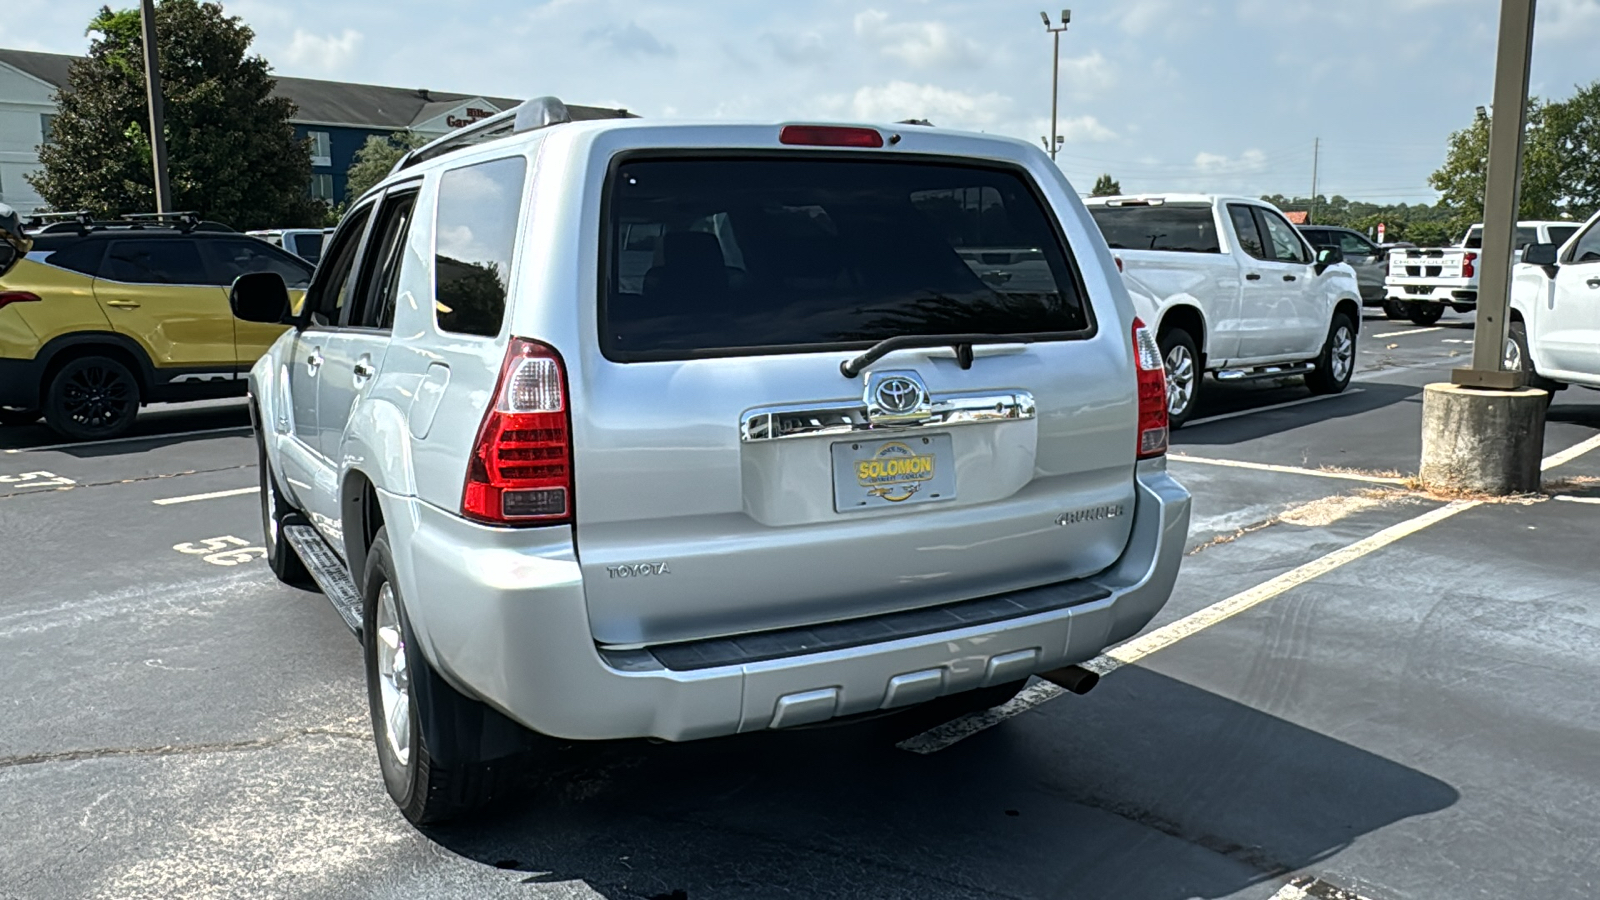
1483 441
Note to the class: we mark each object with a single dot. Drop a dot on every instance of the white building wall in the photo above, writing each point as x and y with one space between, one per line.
24 100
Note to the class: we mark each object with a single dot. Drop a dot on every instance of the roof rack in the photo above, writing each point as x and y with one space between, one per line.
540 112
82 222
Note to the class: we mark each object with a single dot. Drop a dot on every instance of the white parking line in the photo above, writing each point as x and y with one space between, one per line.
214 495
1287 470
1592 501
1261 409
1412 331
1571 453
943 736
130 440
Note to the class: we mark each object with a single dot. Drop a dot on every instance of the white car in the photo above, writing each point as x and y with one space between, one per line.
1554 328
619 429
1234 290
1423 281
305 243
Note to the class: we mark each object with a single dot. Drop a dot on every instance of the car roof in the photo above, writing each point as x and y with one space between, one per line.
1176 198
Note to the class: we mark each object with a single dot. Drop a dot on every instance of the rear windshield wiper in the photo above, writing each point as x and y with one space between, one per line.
961 343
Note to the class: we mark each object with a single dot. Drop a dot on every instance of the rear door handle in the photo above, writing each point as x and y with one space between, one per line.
123 304
1252 277
1593 282
314 361
363 369
1288 278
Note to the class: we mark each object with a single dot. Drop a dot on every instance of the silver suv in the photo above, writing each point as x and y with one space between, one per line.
611 429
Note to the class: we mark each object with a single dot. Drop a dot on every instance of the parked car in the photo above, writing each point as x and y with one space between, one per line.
1234 291
1422 282
99 318
1369 260
810 463
305 243
1554 330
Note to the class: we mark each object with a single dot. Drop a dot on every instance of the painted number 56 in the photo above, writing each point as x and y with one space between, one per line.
222 551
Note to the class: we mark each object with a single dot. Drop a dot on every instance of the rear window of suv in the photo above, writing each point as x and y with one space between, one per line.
1178 228
738 256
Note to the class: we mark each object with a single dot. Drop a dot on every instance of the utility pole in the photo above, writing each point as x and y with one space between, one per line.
1502 198
1055 75
1316 156
152 81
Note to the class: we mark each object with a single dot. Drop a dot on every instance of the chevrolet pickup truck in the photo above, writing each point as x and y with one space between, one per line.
1234 290
1423 281
1554 329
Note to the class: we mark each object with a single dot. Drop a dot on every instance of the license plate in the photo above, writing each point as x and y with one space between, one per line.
897 472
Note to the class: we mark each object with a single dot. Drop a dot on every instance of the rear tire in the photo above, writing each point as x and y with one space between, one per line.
1338 360
276 513
92 398
1425 313
1181 358
14 417
442 754
1395 310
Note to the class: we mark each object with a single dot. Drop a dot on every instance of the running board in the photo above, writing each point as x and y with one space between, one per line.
1231 375
329 572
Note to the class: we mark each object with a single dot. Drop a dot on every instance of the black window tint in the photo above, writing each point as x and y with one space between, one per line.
1244 224
171 261
1560 234
785 254
331 286
307 246
380 267
1180 228
1474 240
1354 244
476 230
231 257
83 256
1317 237
1587 249
1283 242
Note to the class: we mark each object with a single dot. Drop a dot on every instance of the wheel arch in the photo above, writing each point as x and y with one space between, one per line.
1351 307
61 350
1189 318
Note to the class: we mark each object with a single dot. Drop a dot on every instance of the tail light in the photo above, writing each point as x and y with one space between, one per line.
1152 392
9 297
1118 261
520 472
1469 265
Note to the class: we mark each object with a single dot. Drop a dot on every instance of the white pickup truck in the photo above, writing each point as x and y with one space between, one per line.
1423 281
1233 289
1554 330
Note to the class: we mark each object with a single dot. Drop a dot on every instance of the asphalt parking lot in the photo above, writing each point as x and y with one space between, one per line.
1356 690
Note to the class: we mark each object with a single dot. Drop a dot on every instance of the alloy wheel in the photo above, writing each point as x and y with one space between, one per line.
1342 358
394 680
1180 379
1513 356
97 398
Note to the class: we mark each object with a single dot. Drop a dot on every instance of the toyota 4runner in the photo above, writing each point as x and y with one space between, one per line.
613 429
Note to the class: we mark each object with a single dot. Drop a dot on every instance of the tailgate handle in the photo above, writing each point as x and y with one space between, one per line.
775 423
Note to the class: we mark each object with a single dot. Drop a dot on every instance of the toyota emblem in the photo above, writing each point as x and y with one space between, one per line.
898 395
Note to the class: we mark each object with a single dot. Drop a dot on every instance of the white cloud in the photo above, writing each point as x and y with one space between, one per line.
325 54
918 44
1086 75
1084 129
905 100
1248 162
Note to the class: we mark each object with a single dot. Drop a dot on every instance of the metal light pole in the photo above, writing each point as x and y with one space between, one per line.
152 81
1055 75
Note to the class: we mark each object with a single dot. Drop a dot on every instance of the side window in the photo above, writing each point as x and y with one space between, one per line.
380 266
331 287
1560 234
1355 245
1244 224
232 257
1284 242
83 257
1587 249
170 261
475 233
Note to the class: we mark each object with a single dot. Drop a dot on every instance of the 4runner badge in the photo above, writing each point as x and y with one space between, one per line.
1093 514
638 570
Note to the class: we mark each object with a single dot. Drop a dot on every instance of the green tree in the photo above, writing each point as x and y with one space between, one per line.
233 156
1106 186
375 158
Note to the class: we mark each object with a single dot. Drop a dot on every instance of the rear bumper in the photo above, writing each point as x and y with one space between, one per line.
1411 290
506 622
19 383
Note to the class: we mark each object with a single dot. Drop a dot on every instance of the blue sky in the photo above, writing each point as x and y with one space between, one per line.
1164 94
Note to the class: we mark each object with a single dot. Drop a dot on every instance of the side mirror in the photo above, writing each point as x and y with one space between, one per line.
1328 256
260 297
1540 254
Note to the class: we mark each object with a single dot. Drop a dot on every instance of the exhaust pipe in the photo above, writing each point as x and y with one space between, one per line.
1076 679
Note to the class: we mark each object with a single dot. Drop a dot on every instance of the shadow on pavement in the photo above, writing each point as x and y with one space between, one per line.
159 427
1374 395
1147 788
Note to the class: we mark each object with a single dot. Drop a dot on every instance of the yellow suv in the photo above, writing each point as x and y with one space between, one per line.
97 319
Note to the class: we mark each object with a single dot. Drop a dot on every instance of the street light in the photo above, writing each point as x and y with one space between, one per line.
1055 75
